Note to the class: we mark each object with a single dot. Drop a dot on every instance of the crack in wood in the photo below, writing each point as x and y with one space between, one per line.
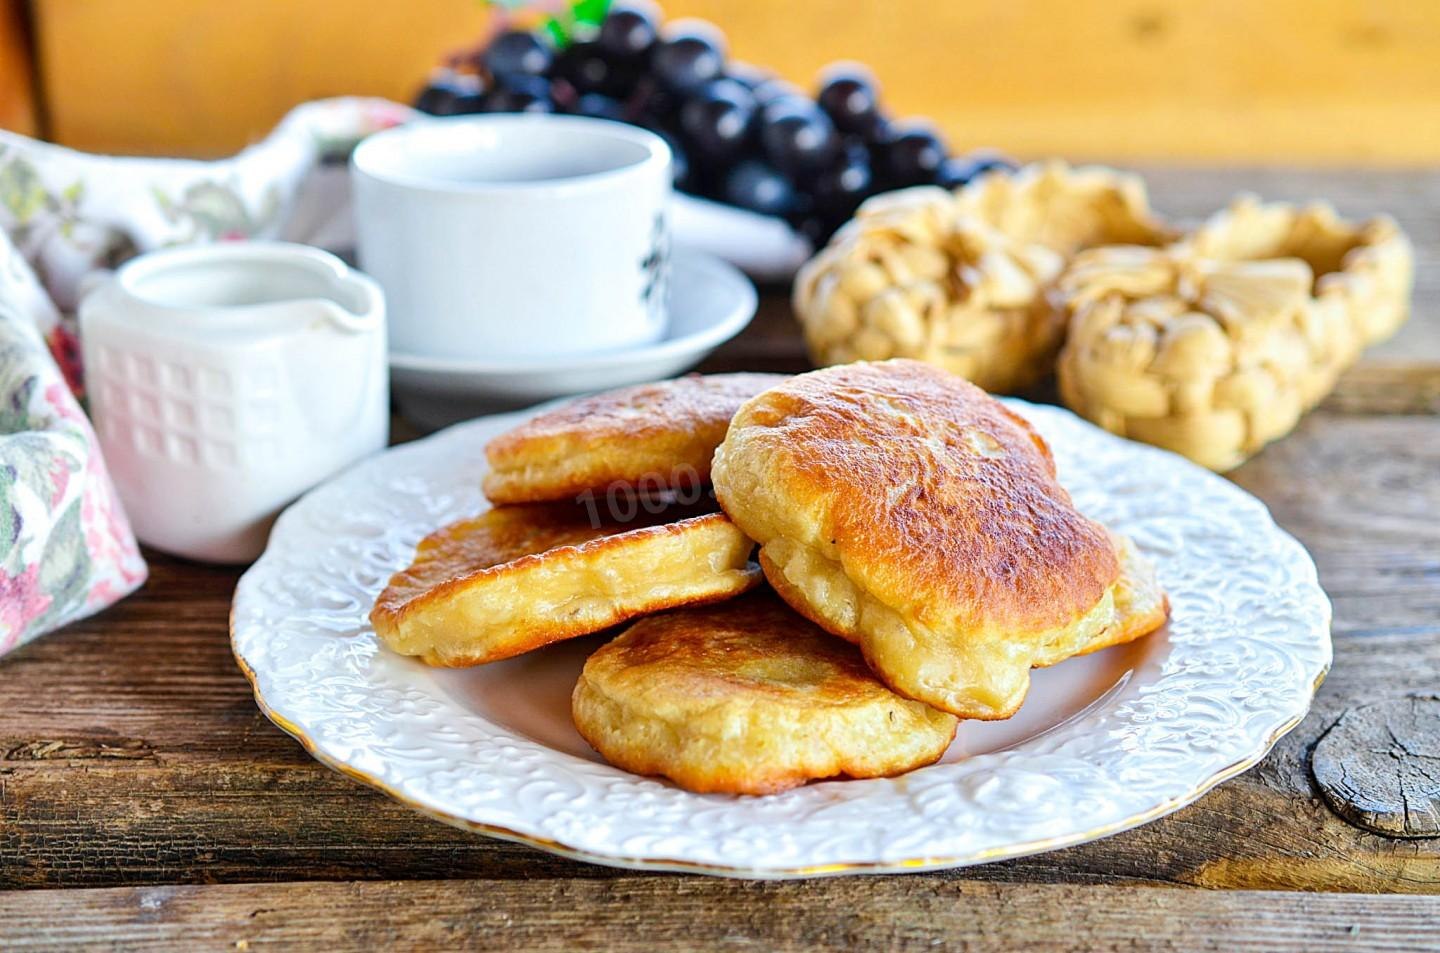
1373 766
129 749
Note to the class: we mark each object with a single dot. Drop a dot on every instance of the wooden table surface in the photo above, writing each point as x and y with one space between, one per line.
145 801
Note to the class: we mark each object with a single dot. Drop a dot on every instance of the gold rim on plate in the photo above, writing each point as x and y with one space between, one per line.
909 865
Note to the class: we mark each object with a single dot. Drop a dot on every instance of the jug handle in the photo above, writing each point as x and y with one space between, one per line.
93 281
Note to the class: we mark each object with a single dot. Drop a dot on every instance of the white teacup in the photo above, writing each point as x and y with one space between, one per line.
515 236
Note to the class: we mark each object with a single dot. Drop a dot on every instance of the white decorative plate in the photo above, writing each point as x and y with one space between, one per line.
1103 743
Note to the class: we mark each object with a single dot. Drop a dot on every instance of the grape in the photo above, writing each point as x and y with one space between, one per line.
771 89
516 52
815 228
537 86
686 61
878 135
717 121
911 154
840 189
759 187
626 33
736 133
798 138
959 170
751 77
953 173
470 101
512 101
679 162
588 70
600 106
850 100
438 98
655 105
520 94
986 160
450 94
779 103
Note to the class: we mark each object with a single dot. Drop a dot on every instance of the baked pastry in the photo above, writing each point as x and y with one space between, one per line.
1064 208
902 508
1217 345
958 279
1367 268
748 698
515 578
653 437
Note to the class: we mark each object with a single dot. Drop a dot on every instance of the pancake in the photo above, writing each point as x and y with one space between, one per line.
748 698
518 577
654 437
1141 607
904 509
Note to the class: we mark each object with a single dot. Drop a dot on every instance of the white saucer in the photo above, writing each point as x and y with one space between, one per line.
711 301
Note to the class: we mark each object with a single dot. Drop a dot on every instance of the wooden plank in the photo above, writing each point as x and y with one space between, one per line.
131 752
1284 80
18 111
165 771
1387 387
181 77
1379 766
646 913
1297 80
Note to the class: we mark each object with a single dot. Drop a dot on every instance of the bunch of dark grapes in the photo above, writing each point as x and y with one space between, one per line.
739 136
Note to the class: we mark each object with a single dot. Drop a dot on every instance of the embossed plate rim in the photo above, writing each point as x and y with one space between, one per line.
1053 763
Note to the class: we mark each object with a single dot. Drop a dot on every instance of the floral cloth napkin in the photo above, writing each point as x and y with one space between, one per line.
66 549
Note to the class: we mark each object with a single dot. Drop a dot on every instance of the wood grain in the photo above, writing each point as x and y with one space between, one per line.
132 752
1285 80
131 755
143 760
1378 766
18 111
208 77
648 913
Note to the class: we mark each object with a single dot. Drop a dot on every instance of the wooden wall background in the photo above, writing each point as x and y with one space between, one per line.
17 93
1281 81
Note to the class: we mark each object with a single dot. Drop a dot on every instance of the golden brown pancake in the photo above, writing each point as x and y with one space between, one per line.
906 510
518 577
655 437
748 698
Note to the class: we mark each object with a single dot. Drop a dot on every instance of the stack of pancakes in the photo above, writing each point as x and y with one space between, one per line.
895 506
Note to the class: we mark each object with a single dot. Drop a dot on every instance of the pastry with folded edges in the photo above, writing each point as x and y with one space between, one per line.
653 437
904 509
748 698
518 577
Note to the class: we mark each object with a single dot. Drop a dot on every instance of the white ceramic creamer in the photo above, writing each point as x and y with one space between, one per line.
225 380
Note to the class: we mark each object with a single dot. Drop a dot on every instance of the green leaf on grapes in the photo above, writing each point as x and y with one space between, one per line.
557 32
590 11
